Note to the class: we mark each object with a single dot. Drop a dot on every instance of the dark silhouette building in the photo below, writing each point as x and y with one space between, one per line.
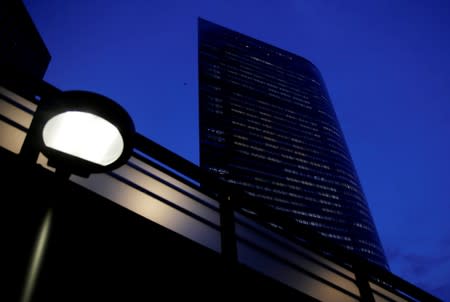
268 126
22 50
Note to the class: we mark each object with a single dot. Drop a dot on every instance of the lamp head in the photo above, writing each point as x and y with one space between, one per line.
84 132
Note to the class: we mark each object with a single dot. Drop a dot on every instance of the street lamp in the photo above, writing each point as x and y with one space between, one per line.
82 132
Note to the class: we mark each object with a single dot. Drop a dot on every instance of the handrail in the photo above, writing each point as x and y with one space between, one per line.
287 225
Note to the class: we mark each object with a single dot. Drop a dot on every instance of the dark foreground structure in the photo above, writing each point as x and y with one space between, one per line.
268 126
149 230
21 46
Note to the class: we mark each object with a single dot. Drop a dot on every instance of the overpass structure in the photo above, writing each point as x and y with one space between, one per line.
158 226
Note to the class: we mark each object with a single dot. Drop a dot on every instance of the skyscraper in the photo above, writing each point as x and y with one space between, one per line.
268 126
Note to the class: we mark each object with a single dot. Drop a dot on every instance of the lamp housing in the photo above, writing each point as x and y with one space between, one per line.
82 132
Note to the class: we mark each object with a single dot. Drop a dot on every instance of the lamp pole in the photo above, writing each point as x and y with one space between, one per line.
37 257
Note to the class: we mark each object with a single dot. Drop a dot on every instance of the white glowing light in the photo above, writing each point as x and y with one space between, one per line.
84 135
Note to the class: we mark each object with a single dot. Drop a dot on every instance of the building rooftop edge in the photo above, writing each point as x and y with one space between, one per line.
200 19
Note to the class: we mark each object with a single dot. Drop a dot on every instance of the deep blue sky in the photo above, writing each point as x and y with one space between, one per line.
386 64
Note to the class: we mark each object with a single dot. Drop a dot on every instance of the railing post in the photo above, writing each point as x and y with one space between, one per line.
30 150
228 231
362 281
228 247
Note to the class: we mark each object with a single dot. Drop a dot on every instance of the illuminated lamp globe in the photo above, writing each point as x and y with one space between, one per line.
83 132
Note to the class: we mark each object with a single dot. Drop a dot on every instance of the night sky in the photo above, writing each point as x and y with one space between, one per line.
386 64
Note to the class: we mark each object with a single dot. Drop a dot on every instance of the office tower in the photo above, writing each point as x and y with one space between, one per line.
22 50
268 126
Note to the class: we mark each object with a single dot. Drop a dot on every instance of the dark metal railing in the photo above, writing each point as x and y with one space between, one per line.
236 199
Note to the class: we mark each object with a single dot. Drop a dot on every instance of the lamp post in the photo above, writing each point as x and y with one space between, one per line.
80 133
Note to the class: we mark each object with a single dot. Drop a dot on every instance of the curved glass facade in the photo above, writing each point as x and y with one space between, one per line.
267 125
